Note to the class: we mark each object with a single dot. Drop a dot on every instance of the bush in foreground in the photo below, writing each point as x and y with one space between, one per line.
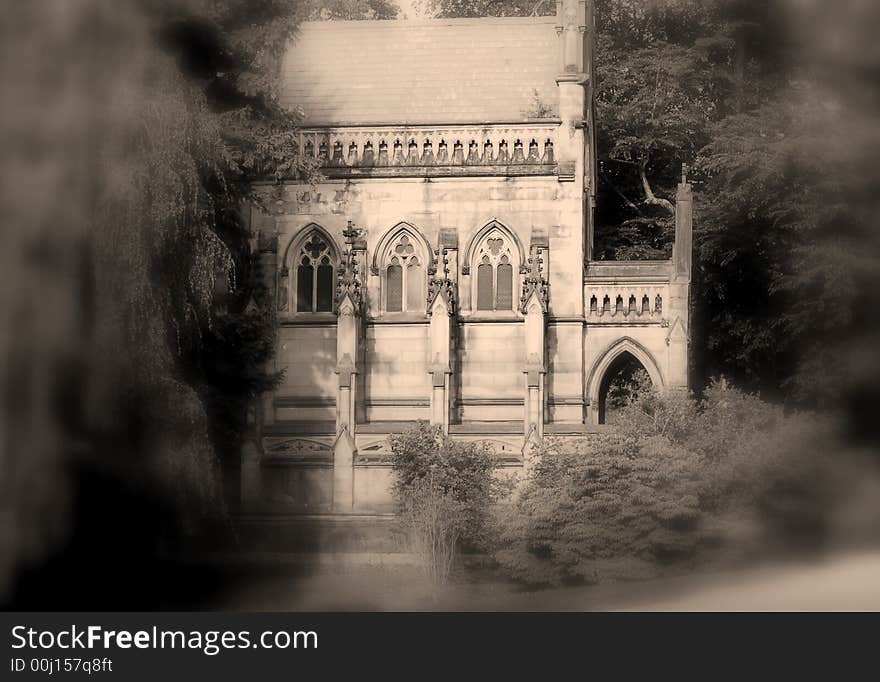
443 491
608 507
680 481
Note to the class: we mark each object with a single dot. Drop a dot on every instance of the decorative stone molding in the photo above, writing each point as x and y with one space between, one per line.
619 302
677 332
348 280
296 449
610 353
533 304
439 283
566 171
315 250
534 283
509 149
377 448
478 240
571 27
345 368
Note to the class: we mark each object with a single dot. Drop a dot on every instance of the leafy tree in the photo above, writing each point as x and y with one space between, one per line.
783 282
681 482
667 72
601 509
323 10
654 106
445 9
170 111
460 470
214 125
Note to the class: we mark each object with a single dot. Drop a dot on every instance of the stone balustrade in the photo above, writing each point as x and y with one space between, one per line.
621 301
520 149
626 291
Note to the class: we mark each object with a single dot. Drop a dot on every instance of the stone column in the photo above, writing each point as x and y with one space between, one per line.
571 29
441 309
359 253
684 227
347 333
439 366
534 368
679 287
533 305
348 304
571 236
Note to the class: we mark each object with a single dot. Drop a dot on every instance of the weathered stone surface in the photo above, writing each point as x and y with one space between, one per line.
466 298
434 71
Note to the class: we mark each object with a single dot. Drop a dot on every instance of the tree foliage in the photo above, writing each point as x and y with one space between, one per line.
445 9
461 471
680 482
773 124
600 510
786 249
325 10
167 111
196 121
655 105
778 245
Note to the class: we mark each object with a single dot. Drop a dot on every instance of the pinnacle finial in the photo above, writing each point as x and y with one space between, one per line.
350 233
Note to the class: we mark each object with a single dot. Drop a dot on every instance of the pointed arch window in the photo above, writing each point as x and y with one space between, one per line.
404 277
314 275
494 265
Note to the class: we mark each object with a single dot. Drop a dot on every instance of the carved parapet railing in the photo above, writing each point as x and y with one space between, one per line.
626 302
627 292
392 151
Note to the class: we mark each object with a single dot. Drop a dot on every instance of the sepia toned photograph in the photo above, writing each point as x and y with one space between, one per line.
439 305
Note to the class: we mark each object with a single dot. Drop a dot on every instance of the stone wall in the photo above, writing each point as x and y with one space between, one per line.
445 202
488 345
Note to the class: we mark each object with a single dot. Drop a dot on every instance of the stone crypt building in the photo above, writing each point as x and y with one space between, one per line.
442 268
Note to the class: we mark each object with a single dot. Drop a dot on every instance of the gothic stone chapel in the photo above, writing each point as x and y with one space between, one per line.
442 268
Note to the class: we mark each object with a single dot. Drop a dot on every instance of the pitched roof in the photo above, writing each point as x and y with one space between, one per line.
415 72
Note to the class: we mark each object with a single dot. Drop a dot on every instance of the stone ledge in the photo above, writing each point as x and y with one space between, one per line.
298 401
300 428
630 271
487 428
633 322
519 170
397 402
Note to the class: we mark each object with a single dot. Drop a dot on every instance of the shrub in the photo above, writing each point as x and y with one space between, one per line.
443 491
433 521
678 480
603 508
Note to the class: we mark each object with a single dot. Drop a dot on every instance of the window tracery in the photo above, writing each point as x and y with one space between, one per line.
404 276
314 278
494 260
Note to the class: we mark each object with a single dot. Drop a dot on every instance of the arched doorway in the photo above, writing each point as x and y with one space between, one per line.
623 381
617 370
